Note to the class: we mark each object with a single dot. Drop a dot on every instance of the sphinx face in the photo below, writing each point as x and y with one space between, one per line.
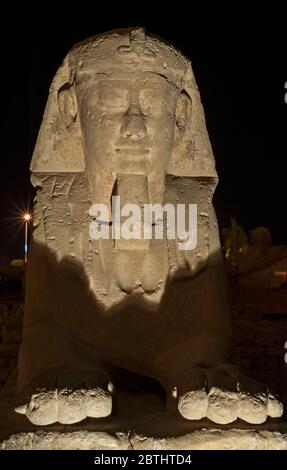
128 128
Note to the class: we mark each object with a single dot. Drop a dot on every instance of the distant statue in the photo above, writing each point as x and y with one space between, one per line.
124 119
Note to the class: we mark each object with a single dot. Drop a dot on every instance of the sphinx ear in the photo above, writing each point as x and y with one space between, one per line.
67 104
183 112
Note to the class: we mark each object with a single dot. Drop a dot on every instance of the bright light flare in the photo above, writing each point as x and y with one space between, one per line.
27 217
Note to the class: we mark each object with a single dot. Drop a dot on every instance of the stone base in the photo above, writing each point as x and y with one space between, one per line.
138 422
202 439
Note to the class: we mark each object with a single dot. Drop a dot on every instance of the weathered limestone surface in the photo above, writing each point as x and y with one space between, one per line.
141 423
259 324
124 118
203 439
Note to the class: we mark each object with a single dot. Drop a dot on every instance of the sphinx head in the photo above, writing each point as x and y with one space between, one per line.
130 102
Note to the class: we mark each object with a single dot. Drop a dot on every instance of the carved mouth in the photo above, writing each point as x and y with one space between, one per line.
132 151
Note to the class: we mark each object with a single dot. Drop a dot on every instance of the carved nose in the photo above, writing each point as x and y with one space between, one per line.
134 127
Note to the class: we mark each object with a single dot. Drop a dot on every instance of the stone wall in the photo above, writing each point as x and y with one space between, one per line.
260 329
11 318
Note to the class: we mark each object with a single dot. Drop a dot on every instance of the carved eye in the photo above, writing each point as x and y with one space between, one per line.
114 99
148 102
153 103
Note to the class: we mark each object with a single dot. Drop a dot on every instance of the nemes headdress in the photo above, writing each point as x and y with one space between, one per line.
59 148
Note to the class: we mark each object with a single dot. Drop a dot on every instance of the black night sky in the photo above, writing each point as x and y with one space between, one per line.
240 66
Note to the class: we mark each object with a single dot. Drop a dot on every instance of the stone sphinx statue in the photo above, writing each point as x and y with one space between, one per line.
124 118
